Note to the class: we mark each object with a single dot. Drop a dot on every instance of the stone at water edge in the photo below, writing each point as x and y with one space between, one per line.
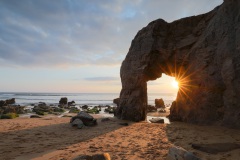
178 153
159 103
63 101
156 120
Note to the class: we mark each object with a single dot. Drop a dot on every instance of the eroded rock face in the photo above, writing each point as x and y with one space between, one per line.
202 52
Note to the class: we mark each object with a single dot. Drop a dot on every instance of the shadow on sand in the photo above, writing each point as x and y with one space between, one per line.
33 142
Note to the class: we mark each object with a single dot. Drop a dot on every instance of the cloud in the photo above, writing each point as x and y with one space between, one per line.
102 79
80 32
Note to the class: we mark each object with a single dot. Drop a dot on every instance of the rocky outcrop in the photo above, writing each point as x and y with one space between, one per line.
63 101
202 53
159 103
7 102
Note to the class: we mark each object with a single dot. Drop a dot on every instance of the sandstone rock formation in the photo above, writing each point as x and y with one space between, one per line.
202 52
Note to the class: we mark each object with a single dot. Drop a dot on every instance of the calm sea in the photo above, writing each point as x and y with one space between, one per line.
79 98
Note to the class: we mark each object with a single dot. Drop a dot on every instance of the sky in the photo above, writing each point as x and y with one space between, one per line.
78 45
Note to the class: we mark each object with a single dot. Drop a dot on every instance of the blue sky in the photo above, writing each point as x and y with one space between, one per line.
78 45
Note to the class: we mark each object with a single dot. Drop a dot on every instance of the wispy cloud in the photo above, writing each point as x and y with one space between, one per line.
102 79
80 32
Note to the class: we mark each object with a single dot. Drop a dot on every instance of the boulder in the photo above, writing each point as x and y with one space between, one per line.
87 119
151 108
201 52
13 109
72 103
10 101
159 103
74 110
77 122
35 116
85 107
7 102
110 109
178 153
156 120
42 107
63 101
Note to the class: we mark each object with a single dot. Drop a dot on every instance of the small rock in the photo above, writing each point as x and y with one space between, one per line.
124 124
35 116
178 153
104 156
156 120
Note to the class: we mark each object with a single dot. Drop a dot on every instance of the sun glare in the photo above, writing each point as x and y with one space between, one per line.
175 84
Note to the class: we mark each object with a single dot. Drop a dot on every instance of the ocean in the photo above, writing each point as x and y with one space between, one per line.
24 98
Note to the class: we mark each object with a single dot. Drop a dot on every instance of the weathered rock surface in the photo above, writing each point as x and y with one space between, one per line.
202 52
116 101
87 119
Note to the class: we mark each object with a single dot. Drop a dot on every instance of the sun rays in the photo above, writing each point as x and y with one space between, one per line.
175 84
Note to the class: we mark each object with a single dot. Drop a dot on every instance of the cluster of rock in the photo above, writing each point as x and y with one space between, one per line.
159 105
63 103
83 119
202 53
8 106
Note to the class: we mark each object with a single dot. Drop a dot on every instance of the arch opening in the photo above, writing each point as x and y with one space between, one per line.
165 88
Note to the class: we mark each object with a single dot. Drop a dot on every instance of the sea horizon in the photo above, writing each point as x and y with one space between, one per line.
25 98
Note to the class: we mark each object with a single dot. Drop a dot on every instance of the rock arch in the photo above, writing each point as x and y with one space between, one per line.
202 52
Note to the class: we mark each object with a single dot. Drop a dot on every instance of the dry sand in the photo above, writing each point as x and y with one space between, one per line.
54 139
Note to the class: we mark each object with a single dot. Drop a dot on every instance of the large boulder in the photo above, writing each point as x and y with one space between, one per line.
86 118
10 101
63 101
201 52
159 103
7 102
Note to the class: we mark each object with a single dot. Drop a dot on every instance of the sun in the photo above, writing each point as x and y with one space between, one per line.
175 84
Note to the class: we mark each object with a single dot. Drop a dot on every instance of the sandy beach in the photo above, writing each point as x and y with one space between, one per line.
54 138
